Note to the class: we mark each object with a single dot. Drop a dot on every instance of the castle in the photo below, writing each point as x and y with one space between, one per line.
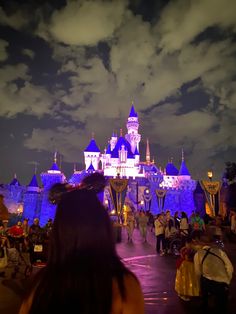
149 188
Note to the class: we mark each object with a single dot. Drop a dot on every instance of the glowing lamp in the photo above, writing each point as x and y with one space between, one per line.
210 175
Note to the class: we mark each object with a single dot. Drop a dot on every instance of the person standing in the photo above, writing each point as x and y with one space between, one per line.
184 225
160 234
197 225
142 224
215 269
130 224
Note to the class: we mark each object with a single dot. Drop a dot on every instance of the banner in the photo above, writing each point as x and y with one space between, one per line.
118 189
211 190
161 194
147 195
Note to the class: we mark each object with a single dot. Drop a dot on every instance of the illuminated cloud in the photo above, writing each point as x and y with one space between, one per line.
104 56
15 20
3 50
86 22
29 53
181 21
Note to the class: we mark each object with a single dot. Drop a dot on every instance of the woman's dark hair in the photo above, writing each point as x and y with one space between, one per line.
82 259
184 215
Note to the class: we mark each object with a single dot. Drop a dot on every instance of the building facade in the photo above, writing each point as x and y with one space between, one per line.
149 188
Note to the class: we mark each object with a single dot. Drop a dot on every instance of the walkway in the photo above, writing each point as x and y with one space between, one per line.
156 274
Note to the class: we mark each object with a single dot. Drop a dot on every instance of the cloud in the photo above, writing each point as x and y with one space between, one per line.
28 52
143 62
9 73
181 21
86 22
69 141
15 20
3 50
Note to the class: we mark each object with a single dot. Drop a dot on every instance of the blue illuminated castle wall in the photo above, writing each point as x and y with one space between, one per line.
145 177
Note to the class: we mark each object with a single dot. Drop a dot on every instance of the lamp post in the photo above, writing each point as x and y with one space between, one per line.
211 196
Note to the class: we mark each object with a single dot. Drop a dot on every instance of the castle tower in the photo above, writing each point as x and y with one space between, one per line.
183 171
92 154
49 178
133 137
32 200
15 190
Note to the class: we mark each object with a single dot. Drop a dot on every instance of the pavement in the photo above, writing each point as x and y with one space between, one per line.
156 274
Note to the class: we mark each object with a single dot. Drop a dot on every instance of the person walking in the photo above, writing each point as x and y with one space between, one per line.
160 234
130 224
142 224
215 269
83 272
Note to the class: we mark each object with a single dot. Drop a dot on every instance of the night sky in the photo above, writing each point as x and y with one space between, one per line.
72 68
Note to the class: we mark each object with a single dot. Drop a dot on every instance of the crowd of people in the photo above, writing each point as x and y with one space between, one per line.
81 261
22 237
203 268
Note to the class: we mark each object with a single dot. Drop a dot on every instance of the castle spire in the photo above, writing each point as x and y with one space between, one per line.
148 158
35 168
182 154
132 113
55 157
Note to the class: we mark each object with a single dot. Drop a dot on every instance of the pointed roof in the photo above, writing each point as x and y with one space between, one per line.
171 170
91 168
183 171
92 147
136 151
133 113
122 142
54 167
33 186
15 181
198 188
108 150
33 182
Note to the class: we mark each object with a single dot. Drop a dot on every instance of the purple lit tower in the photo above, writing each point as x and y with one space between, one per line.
49 178
32 200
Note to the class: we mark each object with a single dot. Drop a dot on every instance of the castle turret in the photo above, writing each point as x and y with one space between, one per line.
32 200
183 171
49 178
133 137
92 155
15 190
